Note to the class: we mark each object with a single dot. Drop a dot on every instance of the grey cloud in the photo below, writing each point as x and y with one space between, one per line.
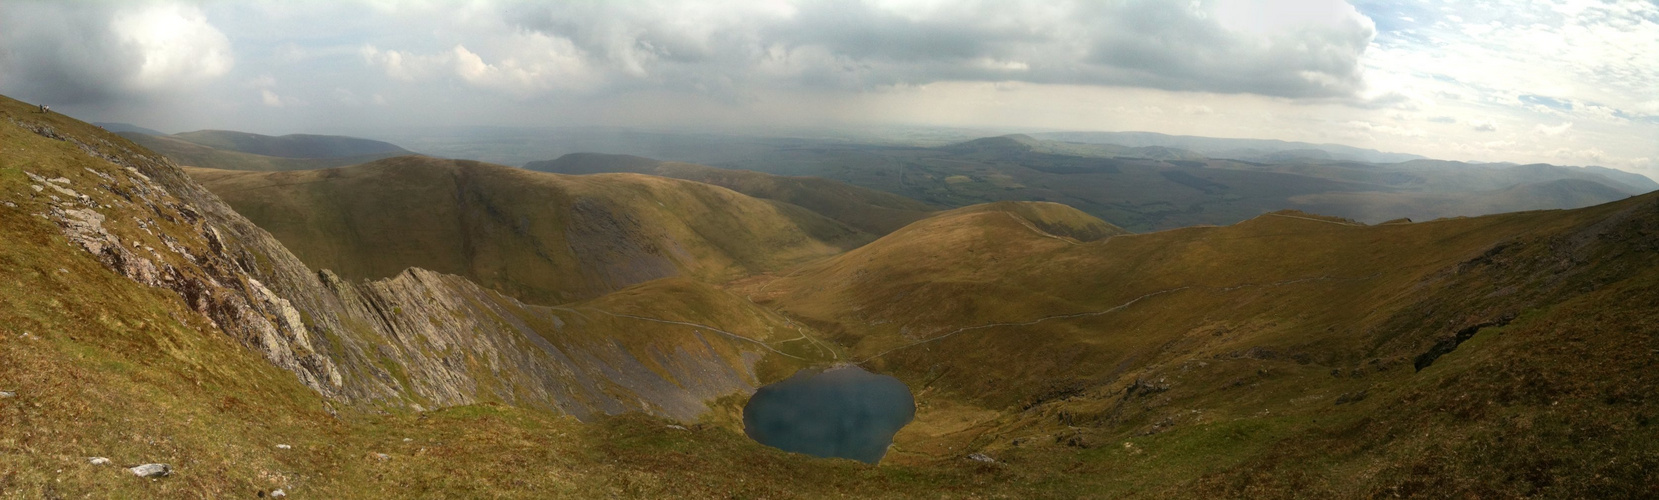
61 53
94 53
1173 46
854 45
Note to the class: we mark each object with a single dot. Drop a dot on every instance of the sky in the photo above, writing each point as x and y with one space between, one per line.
1567 82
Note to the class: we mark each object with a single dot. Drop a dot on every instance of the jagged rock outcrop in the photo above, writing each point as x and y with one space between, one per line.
420 339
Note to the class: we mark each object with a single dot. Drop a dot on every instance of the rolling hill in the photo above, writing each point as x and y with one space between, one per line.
867 210
1153 187
1052 355
292 145
1261 358
192 154
543 238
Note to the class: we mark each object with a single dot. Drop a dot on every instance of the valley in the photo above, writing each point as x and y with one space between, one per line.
425 326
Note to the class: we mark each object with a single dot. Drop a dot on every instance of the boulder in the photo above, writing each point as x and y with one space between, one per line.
152 470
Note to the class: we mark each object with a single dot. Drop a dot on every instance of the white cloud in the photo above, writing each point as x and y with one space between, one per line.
174 44
532 63
270 98
1554 131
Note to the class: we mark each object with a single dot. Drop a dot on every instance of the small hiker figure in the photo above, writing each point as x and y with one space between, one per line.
45 109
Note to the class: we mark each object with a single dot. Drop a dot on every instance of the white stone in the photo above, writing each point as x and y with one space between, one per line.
152 470
278 493
284 447
98 461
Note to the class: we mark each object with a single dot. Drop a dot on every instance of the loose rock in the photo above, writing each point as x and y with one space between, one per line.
278 493
981 457
98 461
152 470
382 457
284 447
7 394
677 427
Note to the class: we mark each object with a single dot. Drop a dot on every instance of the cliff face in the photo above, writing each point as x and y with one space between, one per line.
419 339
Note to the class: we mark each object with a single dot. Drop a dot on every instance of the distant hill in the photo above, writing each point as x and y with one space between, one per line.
127 127
543 238
1379 206
291 146
867 210
1144 188
1215 147
196 155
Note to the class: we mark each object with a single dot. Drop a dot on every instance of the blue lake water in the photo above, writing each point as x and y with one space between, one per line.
840 412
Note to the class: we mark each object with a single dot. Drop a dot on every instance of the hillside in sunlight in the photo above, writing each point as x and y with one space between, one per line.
444 328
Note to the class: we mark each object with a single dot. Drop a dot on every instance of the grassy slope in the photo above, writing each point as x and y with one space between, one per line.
865 209
292 145
543 238
1213 360
196 155
97 365
1239 374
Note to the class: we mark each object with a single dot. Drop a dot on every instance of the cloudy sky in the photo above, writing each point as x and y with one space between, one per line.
1566 82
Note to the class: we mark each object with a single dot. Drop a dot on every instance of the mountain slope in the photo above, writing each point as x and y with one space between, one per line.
290 146
1288 355
1376 207
867 210
543 238
196 155
418 339
144 321
1271 356
127 127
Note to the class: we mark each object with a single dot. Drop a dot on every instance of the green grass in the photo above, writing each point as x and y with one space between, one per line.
1241 339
